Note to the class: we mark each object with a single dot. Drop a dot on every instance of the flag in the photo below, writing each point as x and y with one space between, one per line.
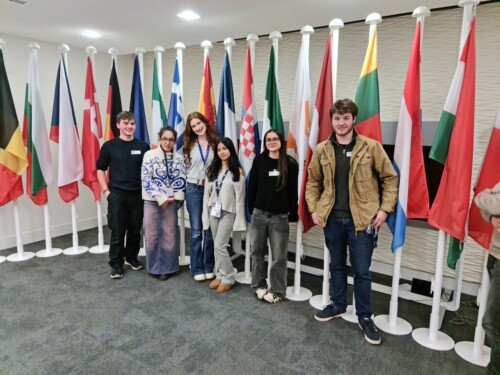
321 126
272 108
300 120
91 133
408 156
13 160
249 130
137 105
480 230
453 146
175 110
226 121
206 105
159 117
114 105
367 97
40 170
65 132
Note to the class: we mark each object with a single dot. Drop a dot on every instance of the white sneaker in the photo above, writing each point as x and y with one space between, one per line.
200 277
260 293
209 276
272 298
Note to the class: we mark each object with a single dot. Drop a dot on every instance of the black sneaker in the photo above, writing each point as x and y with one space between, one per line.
370 331
329 312
134 264
116 273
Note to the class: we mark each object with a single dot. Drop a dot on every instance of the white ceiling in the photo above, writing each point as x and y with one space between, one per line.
127 24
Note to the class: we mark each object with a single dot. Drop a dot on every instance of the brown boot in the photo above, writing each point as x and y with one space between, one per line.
215 284
223 288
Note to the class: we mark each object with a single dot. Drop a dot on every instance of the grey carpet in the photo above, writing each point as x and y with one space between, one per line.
64 315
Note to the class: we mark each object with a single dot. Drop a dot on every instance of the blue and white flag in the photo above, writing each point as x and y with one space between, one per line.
226 121
175 112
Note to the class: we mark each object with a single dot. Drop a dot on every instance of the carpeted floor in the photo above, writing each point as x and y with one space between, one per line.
64 315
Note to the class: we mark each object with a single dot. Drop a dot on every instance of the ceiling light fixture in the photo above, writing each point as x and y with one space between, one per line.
188 15
91 34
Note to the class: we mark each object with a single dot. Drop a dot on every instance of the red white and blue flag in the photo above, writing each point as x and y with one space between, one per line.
175 111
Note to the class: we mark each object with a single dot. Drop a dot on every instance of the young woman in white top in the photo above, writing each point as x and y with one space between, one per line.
224 209
198 148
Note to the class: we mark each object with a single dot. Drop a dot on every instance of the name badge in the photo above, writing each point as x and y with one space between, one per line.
216 210
135 152
274 173
170 192
348 154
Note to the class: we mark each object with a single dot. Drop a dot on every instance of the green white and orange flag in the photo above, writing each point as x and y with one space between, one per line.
13 160
453 146
206 104
40 170
367 96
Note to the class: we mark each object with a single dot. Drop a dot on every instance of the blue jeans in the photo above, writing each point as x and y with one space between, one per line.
202 252
491 319
340 234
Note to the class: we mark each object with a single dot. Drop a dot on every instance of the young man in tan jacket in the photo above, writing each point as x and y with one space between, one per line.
488 202
343 196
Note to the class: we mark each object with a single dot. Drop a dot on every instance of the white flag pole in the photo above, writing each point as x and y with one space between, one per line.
21 254
159 50
183 259
431 337
75 249
391 323
100 248
228 46
373 19
206 45
296 292
245 277
323 299
48 251
476 352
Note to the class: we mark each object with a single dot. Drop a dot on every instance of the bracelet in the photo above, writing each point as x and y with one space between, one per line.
105 190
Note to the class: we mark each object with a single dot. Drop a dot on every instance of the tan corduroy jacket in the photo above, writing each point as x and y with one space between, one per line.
369 163
488 202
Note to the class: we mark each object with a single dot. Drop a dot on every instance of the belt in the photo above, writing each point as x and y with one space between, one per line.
196 181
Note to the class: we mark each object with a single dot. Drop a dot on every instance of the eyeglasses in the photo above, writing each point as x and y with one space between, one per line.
168 140
272 140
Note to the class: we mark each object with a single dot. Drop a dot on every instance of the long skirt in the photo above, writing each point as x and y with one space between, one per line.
161 238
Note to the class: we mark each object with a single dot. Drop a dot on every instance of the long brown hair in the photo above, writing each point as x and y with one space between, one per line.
282 159
190 138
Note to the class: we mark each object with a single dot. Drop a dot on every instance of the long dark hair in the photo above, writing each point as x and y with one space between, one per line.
282 159
190 138
233 164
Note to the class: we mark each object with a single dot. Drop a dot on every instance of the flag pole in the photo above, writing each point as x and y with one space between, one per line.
228 46
48 251
159 50
391 323
75 249
183 259
323 299
206 45
100 248
476 352
21 254
245 277
431 337
373 19
296 292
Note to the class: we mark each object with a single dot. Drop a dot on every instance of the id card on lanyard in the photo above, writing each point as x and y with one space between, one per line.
216 210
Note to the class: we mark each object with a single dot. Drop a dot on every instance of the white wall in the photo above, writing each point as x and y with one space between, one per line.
16 55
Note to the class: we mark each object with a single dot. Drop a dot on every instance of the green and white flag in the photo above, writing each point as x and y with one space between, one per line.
272 108
159 116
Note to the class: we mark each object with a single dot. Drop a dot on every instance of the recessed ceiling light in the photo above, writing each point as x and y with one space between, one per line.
188 15
91 34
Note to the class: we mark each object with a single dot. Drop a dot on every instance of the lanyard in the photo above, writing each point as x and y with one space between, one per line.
166 167
204 159
218 184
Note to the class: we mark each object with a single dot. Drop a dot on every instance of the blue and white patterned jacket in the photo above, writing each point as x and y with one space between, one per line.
161 185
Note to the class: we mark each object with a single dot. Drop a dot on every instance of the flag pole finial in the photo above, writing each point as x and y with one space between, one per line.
179 45
421 11
464 3
139 50
275 35
336 24
91 50
373 19
252 37
307 29
159 49
229 42
63 48
113 52
34 45
206 44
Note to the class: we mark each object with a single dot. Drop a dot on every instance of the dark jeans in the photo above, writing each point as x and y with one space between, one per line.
124 218
275 227
201 252
491 319
340 234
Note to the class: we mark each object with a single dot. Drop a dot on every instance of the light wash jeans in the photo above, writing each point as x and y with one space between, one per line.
221 233
275 227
